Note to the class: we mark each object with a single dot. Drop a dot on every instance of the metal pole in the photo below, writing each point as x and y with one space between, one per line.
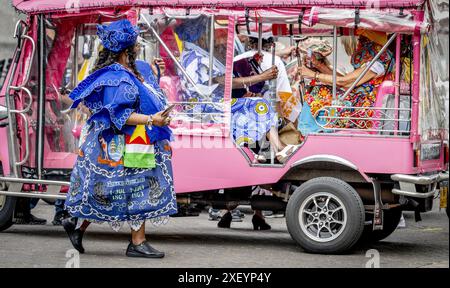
41 96
273 81
259 37
33 195
397 81
370 65
157 50
334 64
75 56
211 51
34 181
273 100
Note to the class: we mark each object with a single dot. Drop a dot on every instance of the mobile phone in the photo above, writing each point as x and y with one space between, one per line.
167 111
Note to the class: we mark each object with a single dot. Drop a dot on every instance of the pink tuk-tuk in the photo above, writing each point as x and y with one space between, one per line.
341 185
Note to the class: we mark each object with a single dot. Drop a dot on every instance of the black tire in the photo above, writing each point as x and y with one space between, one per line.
391 218
6 212
332 188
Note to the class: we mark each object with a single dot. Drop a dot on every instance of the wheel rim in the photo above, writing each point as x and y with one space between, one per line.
2 201
323 217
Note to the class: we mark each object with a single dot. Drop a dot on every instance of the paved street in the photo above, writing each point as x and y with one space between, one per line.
196 242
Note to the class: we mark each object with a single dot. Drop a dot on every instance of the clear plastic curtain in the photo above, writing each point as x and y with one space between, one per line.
434 81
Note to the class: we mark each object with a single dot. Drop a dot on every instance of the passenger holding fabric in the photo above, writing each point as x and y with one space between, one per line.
289 105
363 95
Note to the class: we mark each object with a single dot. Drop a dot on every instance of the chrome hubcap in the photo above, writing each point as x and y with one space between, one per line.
323 217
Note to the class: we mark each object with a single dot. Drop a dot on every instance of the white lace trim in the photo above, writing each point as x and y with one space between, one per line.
134 224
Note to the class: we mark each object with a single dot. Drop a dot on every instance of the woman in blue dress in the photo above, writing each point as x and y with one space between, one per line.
123 172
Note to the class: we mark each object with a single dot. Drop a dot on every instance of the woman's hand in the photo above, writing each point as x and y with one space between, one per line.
160 120
306 72
287 52
158 63
269 74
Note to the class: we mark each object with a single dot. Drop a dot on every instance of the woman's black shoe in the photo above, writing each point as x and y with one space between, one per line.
75 235
259 223
225 221
143 250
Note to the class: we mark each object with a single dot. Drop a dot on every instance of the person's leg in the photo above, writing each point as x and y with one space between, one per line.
225 220
75 231
137 237
139 247
259 214
33 203
258 221
23 214
274 140
277 146
84 225
59 206
60 213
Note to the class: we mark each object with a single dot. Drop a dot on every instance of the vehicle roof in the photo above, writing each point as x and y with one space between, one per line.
48 6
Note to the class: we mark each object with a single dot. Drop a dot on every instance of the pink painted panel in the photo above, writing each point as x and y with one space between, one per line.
199 168
59 160
4 154
369 154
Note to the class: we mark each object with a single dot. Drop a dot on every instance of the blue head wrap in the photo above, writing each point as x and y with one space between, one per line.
192 29
118 36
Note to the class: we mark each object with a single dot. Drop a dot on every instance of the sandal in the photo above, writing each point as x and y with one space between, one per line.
284 154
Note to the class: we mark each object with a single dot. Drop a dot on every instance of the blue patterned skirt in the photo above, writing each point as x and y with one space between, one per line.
103 190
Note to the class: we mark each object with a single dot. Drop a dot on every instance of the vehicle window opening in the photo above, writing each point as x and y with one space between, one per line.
195 61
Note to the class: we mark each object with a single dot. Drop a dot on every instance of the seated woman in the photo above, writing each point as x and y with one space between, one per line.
363 95
289 105
252 117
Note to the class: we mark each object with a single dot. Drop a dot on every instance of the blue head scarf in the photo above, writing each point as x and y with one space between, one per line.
118 35
192 29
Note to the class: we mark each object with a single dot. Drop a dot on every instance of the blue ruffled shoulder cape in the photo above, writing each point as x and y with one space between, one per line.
113 93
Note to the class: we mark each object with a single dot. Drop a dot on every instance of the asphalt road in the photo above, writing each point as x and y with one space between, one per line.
197 242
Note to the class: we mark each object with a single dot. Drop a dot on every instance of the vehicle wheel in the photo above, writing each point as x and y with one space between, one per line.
7 205
325 215
391 219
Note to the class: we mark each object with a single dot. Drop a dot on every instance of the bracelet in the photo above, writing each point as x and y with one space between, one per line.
149 120
316 76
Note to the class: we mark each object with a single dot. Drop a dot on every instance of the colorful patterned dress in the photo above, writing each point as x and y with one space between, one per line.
318 96
102 189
